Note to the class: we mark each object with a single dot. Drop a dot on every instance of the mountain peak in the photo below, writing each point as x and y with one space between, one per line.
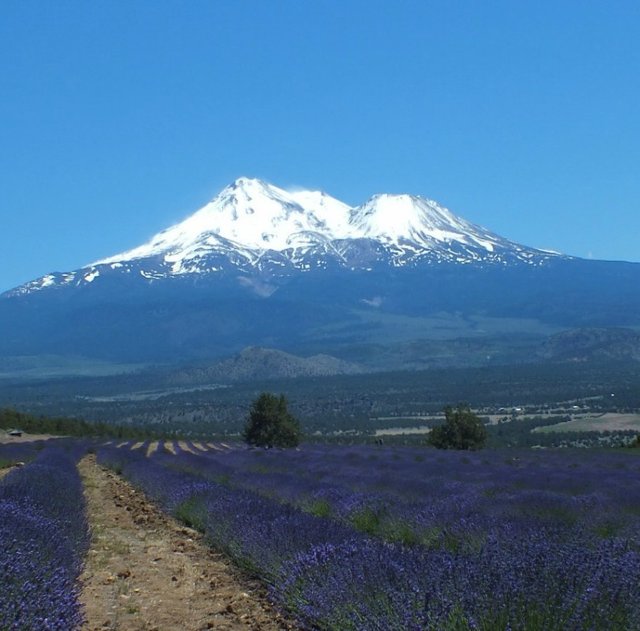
409 218
250 186
244 181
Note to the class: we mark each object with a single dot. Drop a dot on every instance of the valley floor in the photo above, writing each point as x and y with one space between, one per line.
145 571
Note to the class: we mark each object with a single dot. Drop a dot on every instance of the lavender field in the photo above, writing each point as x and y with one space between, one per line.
362 538
398 538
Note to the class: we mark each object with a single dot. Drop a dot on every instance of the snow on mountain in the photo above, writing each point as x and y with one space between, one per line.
253 225
252 215
398 218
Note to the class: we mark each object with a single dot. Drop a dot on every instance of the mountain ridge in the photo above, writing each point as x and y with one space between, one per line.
257 363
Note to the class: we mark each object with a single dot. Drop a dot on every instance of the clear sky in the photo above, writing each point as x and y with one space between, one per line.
120 118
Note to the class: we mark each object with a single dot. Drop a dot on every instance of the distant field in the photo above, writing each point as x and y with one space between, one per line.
600 423
396 431
25 438
51 366
153 395
530 394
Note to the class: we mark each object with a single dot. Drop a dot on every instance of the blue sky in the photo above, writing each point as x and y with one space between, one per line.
121 118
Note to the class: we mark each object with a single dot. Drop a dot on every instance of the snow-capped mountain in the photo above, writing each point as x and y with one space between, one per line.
255 227
302 272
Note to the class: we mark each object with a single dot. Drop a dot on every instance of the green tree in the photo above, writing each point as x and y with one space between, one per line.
270 424
462 429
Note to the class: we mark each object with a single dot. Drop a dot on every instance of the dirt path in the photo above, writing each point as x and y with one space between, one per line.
146 572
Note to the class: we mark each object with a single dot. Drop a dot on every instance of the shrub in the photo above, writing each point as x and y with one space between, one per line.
270 424
462 429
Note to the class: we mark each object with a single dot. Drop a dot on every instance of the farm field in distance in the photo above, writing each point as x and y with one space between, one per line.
607 422
350 537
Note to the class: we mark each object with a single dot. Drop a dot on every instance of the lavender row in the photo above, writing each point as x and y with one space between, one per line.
43 537
488 571
13 453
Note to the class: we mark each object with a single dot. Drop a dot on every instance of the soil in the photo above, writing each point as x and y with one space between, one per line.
146 572
4 471
10 468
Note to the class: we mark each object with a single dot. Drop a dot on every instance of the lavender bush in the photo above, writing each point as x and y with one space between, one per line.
12 453
43 540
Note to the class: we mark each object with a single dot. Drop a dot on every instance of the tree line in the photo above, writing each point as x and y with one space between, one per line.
65 426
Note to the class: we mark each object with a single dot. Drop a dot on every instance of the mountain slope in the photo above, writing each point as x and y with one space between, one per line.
593 343
255 363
